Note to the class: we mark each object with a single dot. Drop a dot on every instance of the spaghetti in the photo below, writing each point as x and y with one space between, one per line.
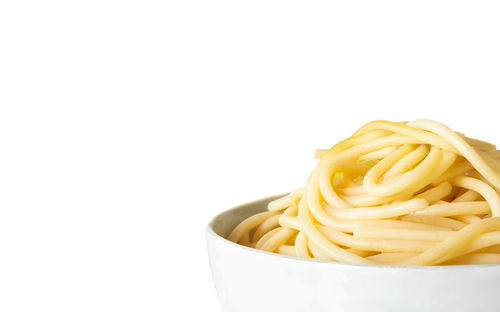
406 193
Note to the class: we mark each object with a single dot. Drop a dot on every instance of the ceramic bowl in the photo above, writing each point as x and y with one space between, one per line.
247 279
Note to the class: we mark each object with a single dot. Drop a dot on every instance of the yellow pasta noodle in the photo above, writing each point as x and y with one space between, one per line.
398 193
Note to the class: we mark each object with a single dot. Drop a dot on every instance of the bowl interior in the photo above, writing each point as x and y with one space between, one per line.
221 226
226 221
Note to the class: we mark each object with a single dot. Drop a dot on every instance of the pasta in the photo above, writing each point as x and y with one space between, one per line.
402 193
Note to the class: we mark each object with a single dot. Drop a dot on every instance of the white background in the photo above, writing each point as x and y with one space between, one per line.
125 126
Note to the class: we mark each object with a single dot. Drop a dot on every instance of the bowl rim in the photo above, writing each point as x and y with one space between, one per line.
209 231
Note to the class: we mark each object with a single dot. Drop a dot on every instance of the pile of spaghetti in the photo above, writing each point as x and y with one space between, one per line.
406 193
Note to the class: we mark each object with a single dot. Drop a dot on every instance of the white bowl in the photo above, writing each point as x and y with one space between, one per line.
247 279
